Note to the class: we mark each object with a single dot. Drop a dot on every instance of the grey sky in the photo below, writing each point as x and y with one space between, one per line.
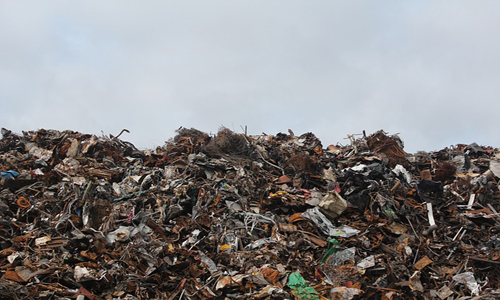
429 70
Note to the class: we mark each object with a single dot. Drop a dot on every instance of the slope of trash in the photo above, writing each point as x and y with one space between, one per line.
234 216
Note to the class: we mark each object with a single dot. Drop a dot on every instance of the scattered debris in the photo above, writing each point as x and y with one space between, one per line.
234 216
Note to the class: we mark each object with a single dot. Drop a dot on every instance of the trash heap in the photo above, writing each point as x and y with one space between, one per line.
233 216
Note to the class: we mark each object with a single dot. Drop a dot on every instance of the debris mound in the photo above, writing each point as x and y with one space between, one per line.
229 144
235 216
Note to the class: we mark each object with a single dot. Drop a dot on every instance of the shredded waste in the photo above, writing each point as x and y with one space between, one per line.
237 216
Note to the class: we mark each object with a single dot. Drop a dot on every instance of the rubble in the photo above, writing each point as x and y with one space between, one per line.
234 216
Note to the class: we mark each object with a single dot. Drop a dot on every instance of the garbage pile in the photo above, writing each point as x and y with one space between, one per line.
234 216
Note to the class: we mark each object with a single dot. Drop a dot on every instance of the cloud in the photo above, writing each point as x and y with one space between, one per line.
425 69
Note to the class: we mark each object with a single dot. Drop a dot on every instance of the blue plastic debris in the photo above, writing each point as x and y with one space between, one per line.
9 174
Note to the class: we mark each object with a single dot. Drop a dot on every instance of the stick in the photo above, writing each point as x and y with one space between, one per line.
471 201
456 235
430 214
458 195
432 223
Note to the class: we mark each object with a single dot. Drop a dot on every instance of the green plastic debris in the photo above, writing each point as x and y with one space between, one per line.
333 244
300 288
388 211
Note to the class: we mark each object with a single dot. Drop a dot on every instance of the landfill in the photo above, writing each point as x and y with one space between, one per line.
238 216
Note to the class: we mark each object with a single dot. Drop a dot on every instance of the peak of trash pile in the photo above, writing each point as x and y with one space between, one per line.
235 216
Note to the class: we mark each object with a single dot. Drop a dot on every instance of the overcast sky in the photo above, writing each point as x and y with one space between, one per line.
429 70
